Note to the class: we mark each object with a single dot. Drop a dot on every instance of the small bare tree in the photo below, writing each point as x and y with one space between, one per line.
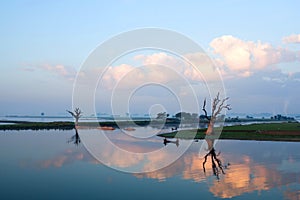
217 106
76 114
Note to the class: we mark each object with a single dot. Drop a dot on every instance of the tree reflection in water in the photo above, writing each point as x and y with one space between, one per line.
75 139
216 163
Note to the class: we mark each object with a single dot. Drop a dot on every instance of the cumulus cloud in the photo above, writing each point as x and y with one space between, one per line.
196 66
243 58
159 68
161 58
60 70
294 38
127 76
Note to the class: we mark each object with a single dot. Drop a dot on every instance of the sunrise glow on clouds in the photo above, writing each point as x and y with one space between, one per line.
294 38
231 55
254 50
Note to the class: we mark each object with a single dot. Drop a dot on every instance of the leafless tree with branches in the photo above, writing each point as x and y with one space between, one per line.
76 114
217 106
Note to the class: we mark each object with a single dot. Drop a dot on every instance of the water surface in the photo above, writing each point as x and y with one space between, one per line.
52 165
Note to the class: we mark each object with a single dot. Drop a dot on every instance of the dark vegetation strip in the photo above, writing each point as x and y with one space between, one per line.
37 126
61 125
267 131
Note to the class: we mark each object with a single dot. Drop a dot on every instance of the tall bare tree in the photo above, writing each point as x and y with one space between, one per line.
217 106
76 114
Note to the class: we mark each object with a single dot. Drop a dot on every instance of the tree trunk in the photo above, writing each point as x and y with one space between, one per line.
210 128
76 121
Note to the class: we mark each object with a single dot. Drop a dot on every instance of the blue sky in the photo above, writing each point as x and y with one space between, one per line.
44 43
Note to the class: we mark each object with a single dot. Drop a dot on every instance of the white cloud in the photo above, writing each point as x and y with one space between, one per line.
160 58
126 76
60 70
232 57
294 38
193 66
243 58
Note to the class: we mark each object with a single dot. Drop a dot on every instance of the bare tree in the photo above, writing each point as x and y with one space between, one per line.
76 114
217 106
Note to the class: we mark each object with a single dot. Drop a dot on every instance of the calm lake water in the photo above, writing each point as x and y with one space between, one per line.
50 165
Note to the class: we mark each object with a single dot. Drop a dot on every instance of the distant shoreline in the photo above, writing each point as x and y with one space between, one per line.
279 131
67 125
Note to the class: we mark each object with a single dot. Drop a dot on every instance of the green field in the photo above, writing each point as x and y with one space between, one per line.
269 132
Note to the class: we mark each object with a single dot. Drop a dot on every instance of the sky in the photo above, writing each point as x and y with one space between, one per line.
255 46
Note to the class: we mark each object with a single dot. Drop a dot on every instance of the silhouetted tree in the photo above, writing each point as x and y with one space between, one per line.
76 114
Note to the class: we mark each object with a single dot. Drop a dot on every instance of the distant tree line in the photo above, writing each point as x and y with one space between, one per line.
282 118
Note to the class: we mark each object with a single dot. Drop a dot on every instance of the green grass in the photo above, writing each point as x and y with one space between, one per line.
266 127
285 132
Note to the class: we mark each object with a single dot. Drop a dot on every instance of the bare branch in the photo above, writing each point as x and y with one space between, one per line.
217 106
71 113
222 106
203 108
76 114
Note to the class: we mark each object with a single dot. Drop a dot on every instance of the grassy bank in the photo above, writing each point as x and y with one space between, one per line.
268 132
61 125
24 125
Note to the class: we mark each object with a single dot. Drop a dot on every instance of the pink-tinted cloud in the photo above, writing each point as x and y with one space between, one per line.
61 70
294 38
243 58
127 76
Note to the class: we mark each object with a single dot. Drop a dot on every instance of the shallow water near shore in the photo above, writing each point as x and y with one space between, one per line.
52 165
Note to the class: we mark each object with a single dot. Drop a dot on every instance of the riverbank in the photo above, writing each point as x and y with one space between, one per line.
263 132
66 125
